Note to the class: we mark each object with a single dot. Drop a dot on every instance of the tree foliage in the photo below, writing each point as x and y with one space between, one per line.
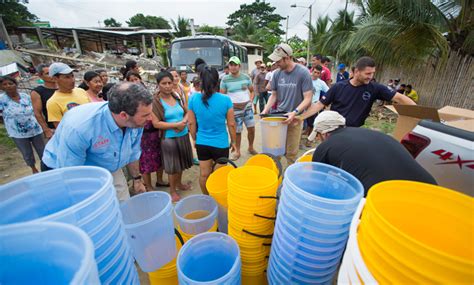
256 23
212 30
263 15
16 15
111 22
398 32
181 27
299 46
148 22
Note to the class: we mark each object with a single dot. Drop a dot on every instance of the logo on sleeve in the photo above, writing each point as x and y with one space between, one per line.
366 96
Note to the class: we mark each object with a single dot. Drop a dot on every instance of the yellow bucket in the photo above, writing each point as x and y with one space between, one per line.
425 231
260 279
252 179
216 184
305 158
250 223
264 161
187 237
168 274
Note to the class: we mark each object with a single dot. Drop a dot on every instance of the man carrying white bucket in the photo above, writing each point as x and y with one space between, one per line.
292 91
104 134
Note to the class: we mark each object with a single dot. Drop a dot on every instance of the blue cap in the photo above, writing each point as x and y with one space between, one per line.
341 66
59 68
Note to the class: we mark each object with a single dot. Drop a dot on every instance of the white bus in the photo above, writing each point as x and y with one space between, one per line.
214 50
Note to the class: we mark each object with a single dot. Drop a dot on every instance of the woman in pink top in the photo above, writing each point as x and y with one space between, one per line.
94 86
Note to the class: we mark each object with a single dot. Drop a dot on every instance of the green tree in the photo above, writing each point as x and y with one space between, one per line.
262 13
341 28
212 30
149 22
246 31
299 46
181 27
16 15
162 50
401 32
111 22
318 32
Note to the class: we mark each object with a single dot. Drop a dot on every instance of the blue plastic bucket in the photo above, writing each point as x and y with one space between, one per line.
324 186
204 206
209 258
46 253
83 196
149 225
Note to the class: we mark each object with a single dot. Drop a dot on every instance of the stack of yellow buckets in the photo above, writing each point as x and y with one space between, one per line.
415 233
251 214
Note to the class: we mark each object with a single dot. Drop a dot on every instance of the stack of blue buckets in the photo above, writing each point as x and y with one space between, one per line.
83 196
316 207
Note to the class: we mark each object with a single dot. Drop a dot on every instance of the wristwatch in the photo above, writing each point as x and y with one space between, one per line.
296 111
139 177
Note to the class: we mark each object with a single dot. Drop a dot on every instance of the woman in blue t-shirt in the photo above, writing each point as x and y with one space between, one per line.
170 116
214 114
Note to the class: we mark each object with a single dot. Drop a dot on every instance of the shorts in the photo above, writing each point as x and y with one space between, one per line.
205 152
244 116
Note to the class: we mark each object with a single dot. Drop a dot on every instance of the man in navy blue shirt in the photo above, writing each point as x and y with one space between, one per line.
354 98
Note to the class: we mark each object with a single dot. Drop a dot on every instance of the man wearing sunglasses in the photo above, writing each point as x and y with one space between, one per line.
292 90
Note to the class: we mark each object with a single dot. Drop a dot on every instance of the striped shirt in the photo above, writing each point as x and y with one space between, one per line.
237 87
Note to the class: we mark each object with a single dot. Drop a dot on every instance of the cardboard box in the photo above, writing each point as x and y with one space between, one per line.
410 115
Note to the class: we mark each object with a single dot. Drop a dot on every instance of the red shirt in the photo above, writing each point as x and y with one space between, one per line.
325 74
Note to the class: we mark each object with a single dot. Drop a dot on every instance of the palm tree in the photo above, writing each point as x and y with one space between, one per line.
338 34
247 31
398 32
181 27
318 32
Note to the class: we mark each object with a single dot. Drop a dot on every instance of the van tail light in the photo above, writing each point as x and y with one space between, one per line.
415 143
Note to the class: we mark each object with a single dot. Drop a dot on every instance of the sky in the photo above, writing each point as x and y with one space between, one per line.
88 13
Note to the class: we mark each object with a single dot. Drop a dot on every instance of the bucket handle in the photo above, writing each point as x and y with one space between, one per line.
277 162
264 217
257 235
180 237
267 244
269 197
223 160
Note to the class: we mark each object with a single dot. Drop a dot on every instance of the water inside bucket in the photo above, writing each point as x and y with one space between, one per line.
196 215
209 265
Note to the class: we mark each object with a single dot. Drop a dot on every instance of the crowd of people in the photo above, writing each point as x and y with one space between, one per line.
127 125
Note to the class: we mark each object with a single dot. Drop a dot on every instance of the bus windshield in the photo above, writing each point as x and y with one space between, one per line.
185 52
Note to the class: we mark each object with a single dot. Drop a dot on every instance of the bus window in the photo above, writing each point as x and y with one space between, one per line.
231 50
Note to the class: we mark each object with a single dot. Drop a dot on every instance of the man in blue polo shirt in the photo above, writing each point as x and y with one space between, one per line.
104 134
354 98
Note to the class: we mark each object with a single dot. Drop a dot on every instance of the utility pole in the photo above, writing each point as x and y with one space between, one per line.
309 33
4 33
309 28
287 20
